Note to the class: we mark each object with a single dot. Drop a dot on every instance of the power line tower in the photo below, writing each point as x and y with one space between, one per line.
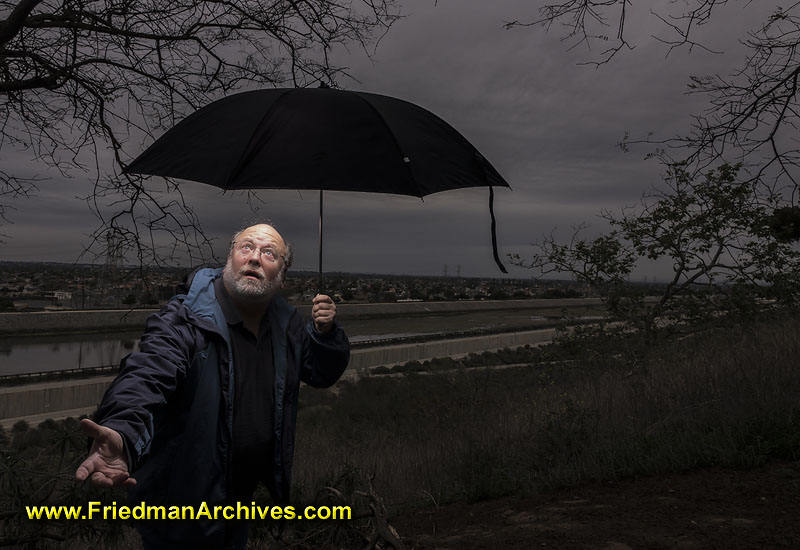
110 276
458 271
445 270
113 256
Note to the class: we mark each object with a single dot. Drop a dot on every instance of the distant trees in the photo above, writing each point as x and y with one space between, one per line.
715 232
498 294
83 82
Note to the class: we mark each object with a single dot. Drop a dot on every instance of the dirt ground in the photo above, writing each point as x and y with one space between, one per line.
702 509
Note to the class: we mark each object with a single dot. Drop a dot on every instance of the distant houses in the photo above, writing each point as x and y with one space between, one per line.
44 286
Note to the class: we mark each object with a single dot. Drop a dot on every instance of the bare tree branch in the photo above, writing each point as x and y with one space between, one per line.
79 77
753 113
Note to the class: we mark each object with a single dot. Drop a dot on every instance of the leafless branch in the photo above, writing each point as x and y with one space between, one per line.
78 78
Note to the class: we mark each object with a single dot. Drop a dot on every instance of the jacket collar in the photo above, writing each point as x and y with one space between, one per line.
202 301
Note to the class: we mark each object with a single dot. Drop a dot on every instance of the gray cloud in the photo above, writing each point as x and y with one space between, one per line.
547 123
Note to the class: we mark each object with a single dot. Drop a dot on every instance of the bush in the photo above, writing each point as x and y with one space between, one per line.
411 366
383 369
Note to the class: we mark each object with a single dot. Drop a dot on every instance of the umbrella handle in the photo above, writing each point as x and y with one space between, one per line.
494 233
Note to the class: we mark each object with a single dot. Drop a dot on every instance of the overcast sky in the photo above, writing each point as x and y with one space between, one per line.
547 123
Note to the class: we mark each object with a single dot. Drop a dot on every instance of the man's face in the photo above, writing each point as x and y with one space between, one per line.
252 274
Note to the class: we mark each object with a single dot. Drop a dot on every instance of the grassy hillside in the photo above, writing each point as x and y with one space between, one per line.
589 408
571 414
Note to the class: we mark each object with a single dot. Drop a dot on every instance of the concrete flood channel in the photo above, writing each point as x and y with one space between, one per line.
381 335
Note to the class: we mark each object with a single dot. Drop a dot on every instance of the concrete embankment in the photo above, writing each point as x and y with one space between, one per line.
51 397
53 322
37 402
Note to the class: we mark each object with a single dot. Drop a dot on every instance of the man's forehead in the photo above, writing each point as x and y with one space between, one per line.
262 232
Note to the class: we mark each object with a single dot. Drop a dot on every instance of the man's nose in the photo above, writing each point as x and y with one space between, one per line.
254 259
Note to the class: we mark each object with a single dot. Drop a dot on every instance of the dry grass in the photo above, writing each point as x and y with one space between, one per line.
728 398
577 413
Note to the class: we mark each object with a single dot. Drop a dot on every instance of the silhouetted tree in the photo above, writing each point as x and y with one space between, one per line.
753 111
81 77
728 213
712 230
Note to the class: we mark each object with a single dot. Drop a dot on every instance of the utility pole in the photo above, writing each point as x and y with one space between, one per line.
109 273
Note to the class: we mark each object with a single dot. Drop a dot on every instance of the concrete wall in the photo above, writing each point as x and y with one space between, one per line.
40 322
49 322
52 397
457 347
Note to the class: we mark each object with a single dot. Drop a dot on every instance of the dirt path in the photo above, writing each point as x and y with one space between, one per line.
704 509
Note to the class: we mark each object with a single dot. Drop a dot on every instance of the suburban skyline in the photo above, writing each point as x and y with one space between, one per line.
548 123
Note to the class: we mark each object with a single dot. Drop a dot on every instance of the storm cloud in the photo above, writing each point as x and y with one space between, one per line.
547 122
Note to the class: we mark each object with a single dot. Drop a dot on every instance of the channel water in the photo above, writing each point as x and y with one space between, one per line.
35 354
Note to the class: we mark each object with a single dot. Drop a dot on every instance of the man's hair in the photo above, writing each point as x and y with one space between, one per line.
287 258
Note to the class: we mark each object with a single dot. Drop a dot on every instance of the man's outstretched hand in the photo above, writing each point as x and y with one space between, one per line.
106 465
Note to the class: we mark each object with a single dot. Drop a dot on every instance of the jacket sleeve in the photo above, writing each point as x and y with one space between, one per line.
147 379
325 356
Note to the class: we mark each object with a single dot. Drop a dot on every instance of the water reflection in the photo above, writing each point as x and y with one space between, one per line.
61 352
49 353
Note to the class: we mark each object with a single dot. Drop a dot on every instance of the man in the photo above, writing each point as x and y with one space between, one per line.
206 408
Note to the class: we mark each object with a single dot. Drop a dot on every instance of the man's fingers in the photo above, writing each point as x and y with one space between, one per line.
323 312
324 307
106 465
109 479
84 470
92 470
100 479
323 316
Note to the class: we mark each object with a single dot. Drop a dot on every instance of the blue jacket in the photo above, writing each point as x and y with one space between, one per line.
173 403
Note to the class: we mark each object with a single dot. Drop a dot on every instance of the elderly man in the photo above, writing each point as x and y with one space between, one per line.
206 408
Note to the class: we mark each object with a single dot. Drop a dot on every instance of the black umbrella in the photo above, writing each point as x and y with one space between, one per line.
320 138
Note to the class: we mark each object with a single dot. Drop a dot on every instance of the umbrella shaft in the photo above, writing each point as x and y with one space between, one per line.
319 290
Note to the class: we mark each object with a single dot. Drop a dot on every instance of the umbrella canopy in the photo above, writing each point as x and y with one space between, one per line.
319 138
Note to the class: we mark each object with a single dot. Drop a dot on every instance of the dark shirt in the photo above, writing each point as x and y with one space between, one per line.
253 398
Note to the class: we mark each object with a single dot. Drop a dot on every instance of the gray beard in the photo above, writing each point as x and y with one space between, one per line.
239 287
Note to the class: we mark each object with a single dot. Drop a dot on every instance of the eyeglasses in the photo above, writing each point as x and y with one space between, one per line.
246 248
